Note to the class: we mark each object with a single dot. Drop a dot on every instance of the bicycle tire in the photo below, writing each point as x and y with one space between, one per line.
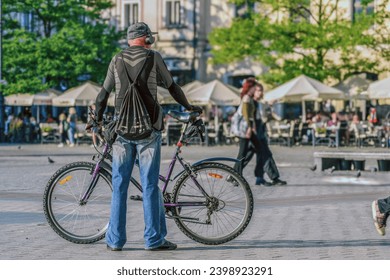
81 224
234 198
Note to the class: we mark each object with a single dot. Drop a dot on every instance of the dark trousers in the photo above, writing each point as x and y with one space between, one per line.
64 137
384 205
264 159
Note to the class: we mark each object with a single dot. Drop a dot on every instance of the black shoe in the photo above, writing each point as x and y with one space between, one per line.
166 246
113 249
279 182
261 181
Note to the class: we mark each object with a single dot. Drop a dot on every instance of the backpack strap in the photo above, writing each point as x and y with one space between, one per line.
139 72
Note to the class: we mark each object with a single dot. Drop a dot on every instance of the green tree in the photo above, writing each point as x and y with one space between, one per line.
294 37
59 42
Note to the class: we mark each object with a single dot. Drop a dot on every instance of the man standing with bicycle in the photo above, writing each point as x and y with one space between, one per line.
138 59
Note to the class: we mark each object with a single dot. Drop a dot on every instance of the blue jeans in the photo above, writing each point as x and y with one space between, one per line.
71 132
125 152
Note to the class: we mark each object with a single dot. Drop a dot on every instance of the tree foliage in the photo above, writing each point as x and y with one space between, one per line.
59 42
293 37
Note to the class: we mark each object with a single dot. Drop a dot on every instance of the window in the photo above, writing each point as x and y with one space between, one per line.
130 13
173 13
27 21
243 10
361 8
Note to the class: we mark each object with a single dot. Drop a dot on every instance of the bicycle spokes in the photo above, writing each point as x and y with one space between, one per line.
77 205
219 216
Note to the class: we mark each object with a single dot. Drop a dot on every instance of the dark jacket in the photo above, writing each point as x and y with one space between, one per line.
154 70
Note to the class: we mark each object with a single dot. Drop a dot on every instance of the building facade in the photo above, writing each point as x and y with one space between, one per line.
184 25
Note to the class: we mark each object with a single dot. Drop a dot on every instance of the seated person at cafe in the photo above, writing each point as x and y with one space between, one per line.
344 127
332 122
353 126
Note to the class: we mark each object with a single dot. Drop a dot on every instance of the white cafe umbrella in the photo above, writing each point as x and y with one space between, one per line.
19 99
379 89
164 97
46 97
354 87
214 93
191 86
42 98
303 88
82 95
24 99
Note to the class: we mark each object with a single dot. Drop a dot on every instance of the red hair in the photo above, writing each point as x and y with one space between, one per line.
248 84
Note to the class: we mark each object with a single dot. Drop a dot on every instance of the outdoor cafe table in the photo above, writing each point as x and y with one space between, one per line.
333 128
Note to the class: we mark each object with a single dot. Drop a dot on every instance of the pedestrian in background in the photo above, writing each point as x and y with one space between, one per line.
258 145
63 127
72 120
248 109
8 128
34 129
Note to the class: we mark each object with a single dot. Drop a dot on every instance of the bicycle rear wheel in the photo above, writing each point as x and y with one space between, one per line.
78 222
217 219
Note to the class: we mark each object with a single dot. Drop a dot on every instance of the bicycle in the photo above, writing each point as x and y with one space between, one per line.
211 203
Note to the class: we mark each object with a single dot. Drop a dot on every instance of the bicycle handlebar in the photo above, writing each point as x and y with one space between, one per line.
186 117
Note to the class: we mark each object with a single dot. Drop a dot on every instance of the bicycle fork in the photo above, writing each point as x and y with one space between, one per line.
91 186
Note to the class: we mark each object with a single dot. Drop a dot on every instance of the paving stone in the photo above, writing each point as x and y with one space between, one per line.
315 217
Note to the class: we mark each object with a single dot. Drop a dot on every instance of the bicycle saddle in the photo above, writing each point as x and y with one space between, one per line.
184 117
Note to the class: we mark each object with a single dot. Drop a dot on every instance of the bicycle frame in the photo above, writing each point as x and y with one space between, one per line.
209 202
167 179
94 178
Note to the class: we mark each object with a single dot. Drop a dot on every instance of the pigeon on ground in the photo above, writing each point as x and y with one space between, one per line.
50 160
358 174
314 167
332 169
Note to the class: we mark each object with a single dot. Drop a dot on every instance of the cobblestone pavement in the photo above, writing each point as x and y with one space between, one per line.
317 216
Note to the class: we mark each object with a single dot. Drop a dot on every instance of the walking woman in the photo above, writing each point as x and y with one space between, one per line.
256 141
63 129
72 120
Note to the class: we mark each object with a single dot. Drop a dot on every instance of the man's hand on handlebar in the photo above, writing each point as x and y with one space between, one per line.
94 126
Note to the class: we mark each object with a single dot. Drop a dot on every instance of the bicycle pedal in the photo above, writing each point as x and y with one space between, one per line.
136 197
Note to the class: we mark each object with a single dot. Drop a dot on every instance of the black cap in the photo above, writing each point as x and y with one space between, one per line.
137 30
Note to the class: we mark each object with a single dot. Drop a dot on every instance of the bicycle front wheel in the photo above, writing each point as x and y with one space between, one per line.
222 214
75 220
